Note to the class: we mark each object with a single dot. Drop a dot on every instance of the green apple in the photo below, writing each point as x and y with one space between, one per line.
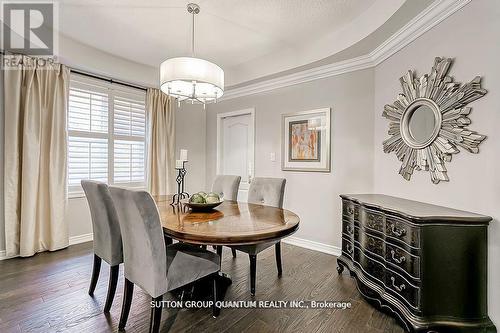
197 198
213 194
212 199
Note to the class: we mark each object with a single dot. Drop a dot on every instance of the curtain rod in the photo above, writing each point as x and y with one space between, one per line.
98 77
95 76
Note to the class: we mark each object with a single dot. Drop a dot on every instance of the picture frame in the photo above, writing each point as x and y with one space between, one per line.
305 141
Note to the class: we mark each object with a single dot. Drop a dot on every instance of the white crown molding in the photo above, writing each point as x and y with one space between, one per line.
431 16
311 245
307 75
434 14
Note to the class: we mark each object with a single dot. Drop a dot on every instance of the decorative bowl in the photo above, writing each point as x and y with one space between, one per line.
201 207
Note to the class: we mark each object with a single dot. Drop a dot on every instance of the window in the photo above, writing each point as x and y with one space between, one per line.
107 134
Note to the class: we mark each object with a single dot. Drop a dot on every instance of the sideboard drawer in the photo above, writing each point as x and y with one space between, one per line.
372 220
399 229
400 287
372 244
403 260
348 228
390 281
350 209
347 247
374 268
394 255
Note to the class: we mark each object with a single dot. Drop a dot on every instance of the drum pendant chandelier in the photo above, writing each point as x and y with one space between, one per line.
191 79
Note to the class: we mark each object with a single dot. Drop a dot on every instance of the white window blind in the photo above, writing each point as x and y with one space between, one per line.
107 134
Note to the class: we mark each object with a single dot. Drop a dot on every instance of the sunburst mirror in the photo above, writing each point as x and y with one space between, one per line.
430 119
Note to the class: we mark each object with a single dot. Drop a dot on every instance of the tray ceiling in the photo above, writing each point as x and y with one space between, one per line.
247 38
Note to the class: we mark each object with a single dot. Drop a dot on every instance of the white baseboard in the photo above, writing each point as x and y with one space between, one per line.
312 245
308 244
80 239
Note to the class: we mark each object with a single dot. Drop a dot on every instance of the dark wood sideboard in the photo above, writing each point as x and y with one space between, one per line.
424 264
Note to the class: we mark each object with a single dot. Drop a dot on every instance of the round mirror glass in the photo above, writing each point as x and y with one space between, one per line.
422 123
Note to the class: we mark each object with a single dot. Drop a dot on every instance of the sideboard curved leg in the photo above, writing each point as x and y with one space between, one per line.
340 268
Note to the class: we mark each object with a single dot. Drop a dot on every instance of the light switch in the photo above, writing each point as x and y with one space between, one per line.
273 157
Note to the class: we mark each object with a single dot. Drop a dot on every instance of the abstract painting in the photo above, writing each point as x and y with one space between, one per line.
306 141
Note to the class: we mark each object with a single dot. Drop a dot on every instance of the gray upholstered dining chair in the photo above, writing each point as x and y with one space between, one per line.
149 263
268 192
107 237
228 185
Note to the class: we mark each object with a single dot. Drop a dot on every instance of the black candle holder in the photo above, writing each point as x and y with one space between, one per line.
181 194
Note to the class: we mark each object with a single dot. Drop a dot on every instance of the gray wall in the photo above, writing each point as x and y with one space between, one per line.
2 115
471 36
190 134
313 196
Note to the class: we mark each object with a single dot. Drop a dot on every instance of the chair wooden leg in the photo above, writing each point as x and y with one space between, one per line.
113 280
234 253
127 301
277 252
95 274
154 324
253 272
219 252
215 308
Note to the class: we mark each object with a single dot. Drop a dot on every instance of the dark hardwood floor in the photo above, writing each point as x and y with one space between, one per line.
48 293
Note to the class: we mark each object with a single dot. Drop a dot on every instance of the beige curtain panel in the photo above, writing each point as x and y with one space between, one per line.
35 198
161 143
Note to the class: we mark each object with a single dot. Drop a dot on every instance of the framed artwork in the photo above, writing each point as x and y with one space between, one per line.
305 141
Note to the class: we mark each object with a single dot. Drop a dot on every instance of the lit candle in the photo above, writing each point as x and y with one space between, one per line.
184 155
179 164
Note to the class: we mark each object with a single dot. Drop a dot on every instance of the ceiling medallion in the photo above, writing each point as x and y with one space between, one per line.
429 121
191 79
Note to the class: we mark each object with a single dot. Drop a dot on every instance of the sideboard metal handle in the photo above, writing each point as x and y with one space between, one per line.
350 210
400 260
350 229
349 248
400 288
398 232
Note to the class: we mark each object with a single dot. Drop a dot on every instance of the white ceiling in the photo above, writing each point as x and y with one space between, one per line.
247 38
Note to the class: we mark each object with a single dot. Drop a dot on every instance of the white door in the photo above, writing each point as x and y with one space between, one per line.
235 150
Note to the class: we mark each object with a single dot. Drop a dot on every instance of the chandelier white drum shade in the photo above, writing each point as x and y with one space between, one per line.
187 78
192 79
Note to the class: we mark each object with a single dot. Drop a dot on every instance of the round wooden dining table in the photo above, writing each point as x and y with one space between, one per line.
231 223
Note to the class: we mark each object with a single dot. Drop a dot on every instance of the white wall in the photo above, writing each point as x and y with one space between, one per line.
313 196
471 37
